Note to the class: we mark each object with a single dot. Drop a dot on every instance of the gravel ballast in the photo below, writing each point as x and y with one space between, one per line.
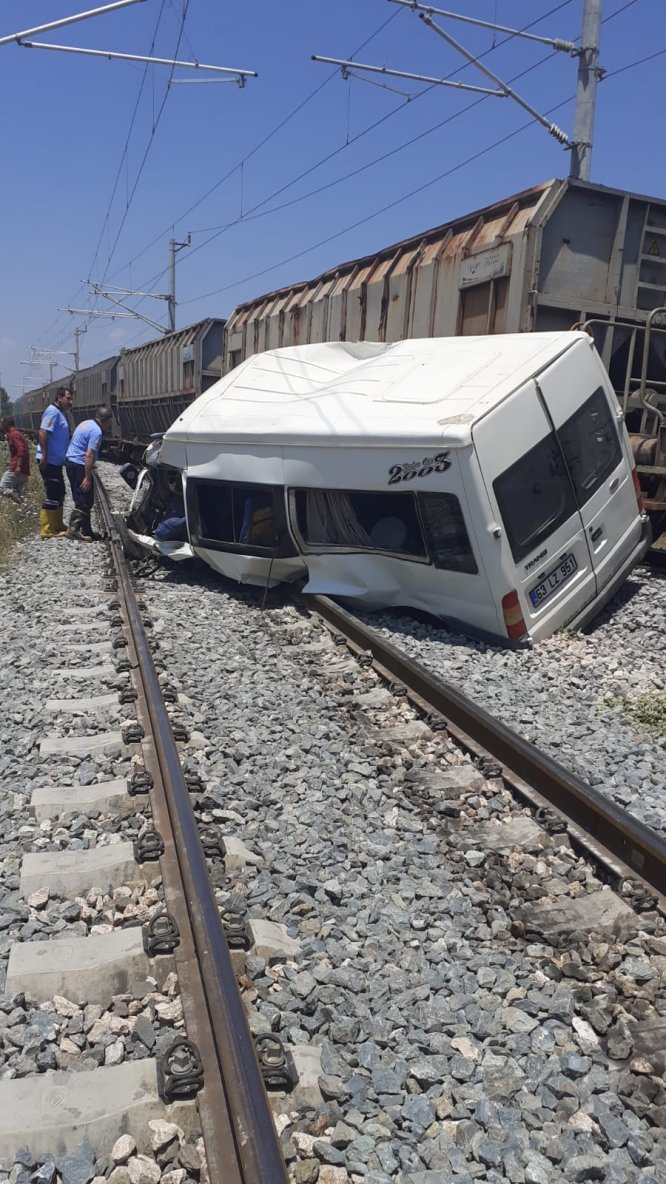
594 701
53 594
467 1030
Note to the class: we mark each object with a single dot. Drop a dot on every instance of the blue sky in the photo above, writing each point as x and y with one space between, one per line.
291 164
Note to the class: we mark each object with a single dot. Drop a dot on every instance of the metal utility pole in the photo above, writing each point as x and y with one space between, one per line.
171 298
589 73
586 91
77 348
112 293
51 363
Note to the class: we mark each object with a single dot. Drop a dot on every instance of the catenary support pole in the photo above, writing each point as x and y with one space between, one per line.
171 298
586 91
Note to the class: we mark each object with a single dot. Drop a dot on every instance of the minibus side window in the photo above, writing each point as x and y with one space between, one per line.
591 445
227 516
445 532
534 496
346 519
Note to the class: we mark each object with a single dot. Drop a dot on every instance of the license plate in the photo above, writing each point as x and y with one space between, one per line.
554 580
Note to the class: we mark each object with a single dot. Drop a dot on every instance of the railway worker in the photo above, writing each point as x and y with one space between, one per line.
54 433
16 476
81 455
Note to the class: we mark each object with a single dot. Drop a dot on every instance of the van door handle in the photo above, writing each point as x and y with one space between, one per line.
596 534
614 484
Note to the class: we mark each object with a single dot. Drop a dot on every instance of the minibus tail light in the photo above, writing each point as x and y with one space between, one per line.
513 617
637 490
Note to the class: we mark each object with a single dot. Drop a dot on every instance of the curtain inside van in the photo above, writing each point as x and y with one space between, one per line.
331 520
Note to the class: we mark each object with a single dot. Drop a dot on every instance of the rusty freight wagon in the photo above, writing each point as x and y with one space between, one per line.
561 254
159 379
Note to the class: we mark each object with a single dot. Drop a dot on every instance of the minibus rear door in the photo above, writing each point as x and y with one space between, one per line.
547 561
587 421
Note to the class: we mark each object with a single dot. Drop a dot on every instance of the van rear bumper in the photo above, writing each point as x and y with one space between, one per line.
590 611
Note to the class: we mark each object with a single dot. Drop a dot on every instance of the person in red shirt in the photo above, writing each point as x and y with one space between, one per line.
16 476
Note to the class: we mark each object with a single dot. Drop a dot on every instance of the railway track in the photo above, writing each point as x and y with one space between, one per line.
428 794
608 833
168 984
459 806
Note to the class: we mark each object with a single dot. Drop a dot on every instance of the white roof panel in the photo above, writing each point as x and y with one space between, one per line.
368 394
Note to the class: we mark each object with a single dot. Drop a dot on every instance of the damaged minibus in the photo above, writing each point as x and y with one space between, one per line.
485 480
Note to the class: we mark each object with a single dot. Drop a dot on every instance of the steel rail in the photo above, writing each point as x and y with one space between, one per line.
641 849
256 1143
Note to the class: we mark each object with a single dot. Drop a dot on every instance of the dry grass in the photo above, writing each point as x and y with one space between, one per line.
16 522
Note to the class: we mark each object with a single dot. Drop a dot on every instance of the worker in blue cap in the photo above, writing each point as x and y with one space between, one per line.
81 456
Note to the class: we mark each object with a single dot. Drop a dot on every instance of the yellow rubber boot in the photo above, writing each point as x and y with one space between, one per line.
50 522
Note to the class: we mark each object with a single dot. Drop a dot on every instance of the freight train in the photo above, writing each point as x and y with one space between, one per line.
146 386
563 254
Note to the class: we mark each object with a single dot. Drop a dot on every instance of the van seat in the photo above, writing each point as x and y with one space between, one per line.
389 534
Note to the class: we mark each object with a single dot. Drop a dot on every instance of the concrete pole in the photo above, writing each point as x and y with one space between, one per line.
586 91
171 298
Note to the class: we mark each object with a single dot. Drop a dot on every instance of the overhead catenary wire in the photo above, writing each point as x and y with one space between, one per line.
154 127
253 212
382 210
274 131
156 123
632 65
253 151
123 155
335 152
413 192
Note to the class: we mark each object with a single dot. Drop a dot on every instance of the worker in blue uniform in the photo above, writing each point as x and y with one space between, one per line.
54 433
81 455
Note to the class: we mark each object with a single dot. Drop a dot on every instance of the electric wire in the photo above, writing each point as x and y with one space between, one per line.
123 156
253 151
418 189
151 138
336 151
253 212
383 209
618 11
256 211
639 62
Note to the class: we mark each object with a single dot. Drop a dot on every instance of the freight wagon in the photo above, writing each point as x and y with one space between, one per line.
561 254
156 381
146 386
31 406
91 387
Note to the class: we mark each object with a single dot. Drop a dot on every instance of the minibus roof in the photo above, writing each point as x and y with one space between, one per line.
368 394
